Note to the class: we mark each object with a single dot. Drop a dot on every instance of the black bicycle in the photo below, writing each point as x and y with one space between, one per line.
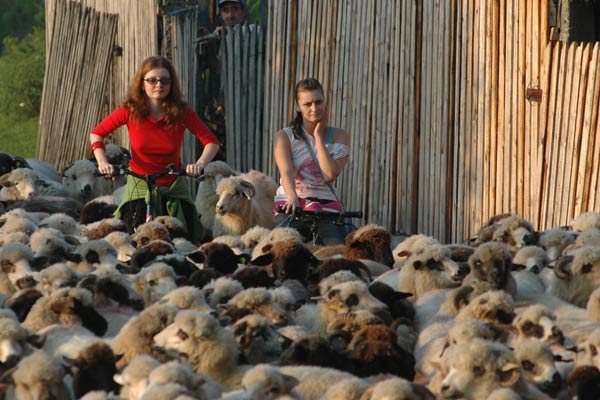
309 223
141 210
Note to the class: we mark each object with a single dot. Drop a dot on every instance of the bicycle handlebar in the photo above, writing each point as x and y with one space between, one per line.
170 169
299 213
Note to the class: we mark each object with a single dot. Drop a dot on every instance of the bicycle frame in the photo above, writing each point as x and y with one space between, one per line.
314 219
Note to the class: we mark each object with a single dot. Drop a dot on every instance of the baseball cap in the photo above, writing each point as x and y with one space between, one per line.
221 2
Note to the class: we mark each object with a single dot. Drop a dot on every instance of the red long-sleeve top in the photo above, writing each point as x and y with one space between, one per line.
153 145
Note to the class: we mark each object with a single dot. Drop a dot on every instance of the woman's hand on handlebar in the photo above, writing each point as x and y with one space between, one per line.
105 168
290 206
194 169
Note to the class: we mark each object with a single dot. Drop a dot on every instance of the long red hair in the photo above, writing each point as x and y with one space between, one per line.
136 101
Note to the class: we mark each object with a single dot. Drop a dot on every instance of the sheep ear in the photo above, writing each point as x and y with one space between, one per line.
5 180
197 257
403 254
263 260
289 382
71 362
461 298
509 375
561 269
119 379
518 267
72 240
244 259
558 358
248 189
339 340
36 341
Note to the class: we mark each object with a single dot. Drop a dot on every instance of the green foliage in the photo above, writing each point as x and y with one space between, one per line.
17 17
254 9
22 74
18 136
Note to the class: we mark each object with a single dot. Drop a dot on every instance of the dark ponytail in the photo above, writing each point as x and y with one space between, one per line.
304 85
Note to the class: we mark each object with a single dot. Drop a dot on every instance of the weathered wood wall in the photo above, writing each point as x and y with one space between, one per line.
458 110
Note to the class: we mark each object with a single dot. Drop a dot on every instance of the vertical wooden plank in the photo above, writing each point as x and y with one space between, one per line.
520 155
486 112
543 135
478 116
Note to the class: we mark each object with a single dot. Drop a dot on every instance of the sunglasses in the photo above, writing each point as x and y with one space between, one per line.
154 81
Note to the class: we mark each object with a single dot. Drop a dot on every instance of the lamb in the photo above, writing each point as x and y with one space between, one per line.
206 195
512 230
397 389
370 242
51 243
587 349
14 237
15 342
259 301
92 255
134 378
15 270
79 177
136 336
275 235
314 381
492 262
531 258
537 363
39 376
288 259
495 307
23 184
428 270
259 341
410 245
554 241
154 282
211 349
244 201
66 224
93 369
150 231
265 382
576 276
122 243
186 298
474 370
221 290
347 389
537 321
177 229
254 235
69 306
178 373
100 229
54 277
585 221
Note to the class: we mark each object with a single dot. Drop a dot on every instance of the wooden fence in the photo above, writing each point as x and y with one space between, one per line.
242 74
93 50
458 110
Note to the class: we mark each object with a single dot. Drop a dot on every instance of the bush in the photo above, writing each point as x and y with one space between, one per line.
22 74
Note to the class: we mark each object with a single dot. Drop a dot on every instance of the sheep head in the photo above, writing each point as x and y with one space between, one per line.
370 242
234 194
491 262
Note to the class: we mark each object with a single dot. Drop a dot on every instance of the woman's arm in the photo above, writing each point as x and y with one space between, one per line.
100 154
116 119
208 154
330 167
282 150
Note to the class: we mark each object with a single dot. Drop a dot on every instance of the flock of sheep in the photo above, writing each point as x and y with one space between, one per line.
91 310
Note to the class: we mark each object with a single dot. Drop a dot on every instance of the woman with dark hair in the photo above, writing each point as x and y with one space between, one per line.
156 117
310 155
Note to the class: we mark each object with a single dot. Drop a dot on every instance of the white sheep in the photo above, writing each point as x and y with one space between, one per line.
15 271
538 367
253 236
206 195
186 298
92 255
576 276
179 373
14 237
260 301
537 322
54 277
79 177
154 281
492 263
427 270
259 341
585 221
265 382
554 241
531 258
50 242
278 234
211 349
122 243
39 376
473 370
63 222
221 290
134 378
244 201
15 341
397 389
23 184
588 349
347 389
43 169
412 244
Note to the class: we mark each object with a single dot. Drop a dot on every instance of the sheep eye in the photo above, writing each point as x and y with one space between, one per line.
586 268
274 390
527 365
594 350
74 177
478 371
145 241
152 282
498 265
182 335
478 263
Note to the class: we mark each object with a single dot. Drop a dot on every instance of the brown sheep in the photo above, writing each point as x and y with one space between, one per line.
371 242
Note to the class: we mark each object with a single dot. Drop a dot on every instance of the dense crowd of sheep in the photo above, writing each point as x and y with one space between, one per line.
90 310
